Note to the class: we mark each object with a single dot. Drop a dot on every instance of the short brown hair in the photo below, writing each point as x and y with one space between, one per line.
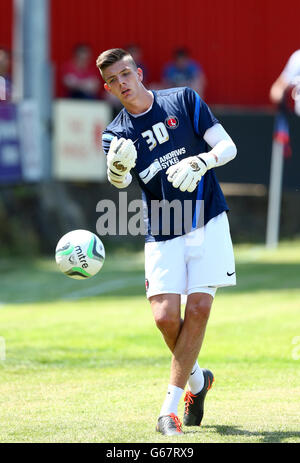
109 57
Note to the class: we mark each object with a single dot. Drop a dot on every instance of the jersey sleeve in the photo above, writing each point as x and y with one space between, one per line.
201 116
106 140
292 68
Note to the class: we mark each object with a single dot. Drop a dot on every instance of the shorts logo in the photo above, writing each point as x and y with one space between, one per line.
172 122
230 274
146 284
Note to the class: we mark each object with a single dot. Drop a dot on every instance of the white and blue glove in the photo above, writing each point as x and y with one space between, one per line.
187 173
121 158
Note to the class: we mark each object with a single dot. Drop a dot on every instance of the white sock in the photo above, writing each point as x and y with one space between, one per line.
171 402
196 379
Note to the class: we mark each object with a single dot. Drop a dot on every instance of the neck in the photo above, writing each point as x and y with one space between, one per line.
143 102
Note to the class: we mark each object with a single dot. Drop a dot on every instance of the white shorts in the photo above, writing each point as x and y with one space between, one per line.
200 261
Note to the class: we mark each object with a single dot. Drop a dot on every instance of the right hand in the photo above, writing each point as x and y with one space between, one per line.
121 156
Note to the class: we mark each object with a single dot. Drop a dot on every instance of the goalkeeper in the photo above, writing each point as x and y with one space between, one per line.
171 142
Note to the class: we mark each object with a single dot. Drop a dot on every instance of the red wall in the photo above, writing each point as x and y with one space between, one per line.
5 23
241 45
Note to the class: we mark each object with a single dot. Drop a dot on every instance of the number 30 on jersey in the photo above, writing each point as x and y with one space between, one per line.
158 134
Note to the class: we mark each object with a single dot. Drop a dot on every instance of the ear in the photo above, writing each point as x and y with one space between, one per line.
140 74
107 87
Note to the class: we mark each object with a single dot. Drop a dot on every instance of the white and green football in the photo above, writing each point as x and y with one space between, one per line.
80 254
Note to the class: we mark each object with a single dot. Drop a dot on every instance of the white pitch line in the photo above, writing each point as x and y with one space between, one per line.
101 288
108 286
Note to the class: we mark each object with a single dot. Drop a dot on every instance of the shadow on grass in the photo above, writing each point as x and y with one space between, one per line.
24 282
264 436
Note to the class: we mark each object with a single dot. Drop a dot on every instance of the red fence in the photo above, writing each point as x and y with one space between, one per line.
241 45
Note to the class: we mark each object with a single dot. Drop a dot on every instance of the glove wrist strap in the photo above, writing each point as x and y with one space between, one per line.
117 175
208 159
201 159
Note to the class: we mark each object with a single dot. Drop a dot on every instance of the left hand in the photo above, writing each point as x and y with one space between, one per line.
187 173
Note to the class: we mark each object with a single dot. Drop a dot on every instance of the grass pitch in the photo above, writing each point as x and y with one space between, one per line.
82 361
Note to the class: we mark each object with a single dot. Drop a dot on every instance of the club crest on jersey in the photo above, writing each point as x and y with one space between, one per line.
172 122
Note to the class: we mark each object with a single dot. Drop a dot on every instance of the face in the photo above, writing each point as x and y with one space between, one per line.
181 61
123 80
83 56
4 62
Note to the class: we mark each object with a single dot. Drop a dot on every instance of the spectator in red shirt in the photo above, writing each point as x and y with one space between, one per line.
5 79
80 79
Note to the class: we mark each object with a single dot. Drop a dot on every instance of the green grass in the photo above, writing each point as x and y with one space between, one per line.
85 362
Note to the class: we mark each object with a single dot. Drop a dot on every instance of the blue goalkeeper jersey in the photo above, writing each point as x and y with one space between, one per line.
170 131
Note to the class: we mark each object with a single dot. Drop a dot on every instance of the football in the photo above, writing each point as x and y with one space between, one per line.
80 254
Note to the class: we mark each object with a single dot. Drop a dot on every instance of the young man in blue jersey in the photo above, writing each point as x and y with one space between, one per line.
171 142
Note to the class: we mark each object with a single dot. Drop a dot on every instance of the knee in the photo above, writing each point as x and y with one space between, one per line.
166 320
199 309
166 323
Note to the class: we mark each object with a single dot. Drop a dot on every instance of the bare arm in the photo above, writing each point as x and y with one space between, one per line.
290 71
278 88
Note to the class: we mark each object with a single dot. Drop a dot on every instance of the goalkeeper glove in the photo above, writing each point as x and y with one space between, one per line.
119 181
121 156
187 173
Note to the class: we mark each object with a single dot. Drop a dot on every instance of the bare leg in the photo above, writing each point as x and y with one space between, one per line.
191 337
184 338
166 312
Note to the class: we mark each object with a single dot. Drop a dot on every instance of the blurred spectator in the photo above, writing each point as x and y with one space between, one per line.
80 77
5 79
137 54
184 71
289 76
